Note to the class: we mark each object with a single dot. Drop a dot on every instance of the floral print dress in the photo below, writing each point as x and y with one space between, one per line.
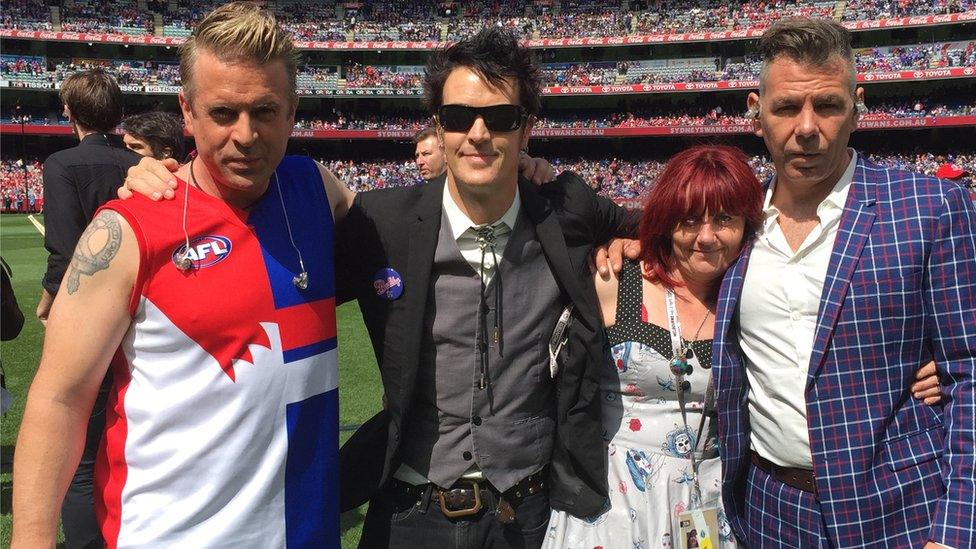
650 475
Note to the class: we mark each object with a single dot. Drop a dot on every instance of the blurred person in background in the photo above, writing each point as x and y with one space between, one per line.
429 155
80 179
157 134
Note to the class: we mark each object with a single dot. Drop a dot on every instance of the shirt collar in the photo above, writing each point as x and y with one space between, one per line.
836 199
838 195
460 222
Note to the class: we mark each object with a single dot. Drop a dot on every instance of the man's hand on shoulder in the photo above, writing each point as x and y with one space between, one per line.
151 178
537 170
610 256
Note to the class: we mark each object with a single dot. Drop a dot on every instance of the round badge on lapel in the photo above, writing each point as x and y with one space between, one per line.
388 284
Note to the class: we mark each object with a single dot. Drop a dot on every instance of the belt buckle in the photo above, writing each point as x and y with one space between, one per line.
449 513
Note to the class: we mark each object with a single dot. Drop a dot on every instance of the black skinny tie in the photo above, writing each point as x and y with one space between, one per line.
485 236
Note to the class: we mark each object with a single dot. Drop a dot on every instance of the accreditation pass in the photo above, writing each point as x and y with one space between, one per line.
698 528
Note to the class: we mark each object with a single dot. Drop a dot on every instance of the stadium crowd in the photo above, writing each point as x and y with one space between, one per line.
372 76
872 10
13 66
643 118
339 120
312 21
15 195
584 18
430 20
922 56
92 16
474 16
323 79
26 15
391 20
179 21
675 16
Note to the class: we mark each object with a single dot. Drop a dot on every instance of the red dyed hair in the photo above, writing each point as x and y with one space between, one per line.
713 178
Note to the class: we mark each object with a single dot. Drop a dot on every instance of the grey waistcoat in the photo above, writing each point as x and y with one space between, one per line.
506 429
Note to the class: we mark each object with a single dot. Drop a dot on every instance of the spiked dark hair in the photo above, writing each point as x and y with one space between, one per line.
495 54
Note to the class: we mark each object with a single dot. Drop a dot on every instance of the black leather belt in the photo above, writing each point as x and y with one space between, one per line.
465 497
801 479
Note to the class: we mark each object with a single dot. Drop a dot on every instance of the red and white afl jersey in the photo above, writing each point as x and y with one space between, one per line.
222 425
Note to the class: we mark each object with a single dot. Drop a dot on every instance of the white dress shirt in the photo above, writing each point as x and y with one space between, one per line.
464 232
778 310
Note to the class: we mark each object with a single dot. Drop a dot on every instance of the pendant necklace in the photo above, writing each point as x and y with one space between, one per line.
679 364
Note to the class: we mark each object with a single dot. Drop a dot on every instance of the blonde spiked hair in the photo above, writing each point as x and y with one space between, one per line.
239 31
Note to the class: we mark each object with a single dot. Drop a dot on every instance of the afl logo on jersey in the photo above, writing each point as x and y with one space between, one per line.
205 251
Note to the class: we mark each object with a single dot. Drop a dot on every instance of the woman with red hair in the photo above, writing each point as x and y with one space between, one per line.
659 317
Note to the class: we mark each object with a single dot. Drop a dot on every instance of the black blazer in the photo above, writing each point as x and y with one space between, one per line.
77 181
398 229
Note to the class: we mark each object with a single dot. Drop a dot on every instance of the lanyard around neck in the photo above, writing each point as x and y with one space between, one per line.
678 349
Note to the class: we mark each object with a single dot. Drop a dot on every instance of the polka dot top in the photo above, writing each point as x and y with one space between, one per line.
631 323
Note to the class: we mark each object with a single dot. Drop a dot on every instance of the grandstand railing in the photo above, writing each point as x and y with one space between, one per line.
543 43
893 123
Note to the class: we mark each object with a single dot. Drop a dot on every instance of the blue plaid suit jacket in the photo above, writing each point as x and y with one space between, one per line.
900 290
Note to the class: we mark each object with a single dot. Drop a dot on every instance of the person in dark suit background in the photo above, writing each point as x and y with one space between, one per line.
76 182
461 283
80 179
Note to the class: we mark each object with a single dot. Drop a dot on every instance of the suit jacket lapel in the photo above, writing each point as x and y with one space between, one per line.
550 235
424 225
855 226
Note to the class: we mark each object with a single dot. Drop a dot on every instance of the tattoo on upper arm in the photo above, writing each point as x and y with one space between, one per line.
98 245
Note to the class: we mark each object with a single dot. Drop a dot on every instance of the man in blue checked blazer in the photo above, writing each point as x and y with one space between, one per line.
858 274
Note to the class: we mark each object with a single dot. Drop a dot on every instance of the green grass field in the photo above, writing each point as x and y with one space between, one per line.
23 248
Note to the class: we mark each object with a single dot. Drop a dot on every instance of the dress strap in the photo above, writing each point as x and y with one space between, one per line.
630 295
630 325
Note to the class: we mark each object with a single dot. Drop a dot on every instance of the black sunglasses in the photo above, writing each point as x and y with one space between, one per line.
498 118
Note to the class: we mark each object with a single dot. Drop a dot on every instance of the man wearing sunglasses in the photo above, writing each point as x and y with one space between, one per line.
462 282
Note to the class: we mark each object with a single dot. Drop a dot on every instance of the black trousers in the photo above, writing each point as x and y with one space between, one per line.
78 510
397 519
